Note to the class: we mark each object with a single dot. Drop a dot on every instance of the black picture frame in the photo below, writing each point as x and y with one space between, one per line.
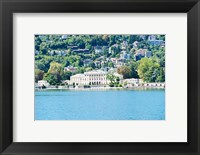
8 7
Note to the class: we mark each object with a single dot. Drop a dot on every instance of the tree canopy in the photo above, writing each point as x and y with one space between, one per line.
93 52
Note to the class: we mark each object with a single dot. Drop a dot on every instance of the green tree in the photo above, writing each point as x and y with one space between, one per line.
125 71
55 68
92 65
88 46
161 76
53 79
54 73
37 47
38 74
66 63
66 75
150 71
39 65
37 43
81 70
133 66
110 64
112 79
78 63
43 48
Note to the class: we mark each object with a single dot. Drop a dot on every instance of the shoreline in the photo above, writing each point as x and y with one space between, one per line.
105 88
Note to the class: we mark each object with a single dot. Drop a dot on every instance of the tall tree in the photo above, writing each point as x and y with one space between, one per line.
38 74
54 73
125 71
150 71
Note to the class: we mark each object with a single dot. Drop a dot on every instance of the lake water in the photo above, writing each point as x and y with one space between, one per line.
100 105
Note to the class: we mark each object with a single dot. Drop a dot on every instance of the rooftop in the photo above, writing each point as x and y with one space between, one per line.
96 72
78 75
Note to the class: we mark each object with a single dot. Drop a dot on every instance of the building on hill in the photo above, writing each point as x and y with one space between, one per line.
141 51
135 44
152 38
124 45
61 53
79 51
37 52
42 36
153 41
57 52
64 37
118 61
97 63
72 47
139 54
124 55
70 69
148 54
110 49
98 49
86 62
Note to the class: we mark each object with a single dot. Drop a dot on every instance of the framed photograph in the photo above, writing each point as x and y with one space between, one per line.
105 77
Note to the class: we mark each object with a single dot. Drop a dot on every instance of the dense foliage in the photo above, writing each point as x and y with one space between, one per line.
55 52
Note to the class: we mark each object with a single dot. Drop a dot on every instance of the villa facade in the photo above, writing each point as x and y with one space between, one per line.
42 83
90 78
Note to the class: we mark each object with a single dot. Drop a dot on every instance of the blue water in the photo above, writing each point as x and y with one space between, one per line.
100 105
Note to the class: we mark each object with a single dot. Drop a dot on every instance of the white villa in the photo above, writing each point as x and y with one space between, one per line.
96 77
42 83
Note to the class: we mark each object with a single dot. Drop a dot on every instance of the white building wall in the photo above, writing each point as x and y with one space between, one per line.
43 83
90 78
